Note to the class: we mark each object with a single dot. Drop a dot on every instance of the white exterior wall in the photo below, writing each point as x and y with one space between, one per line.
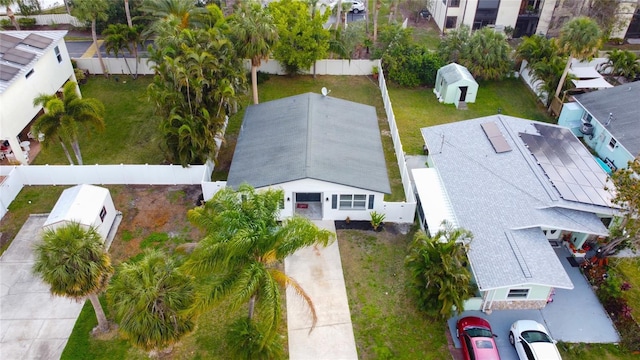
469 12
546 13
508 13
16 102
327 189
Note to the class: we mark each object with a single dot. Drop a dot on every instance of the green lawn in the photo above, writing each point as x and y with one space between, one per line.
629 268
131 133
417 108
386 322
594 352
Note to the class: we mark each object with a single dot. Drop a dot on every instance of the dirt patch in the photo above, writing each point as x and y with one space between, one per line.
149 212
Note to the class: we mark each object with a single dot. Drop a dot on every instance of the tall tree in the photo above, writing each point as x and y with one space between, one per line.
626 229
580 38
151 299
117 39
487 55
64 116
127 11
549 72
171 15
92 10
244 247
303 38
451 47
7 4
254 35
537 48
440 279
72 260
198 80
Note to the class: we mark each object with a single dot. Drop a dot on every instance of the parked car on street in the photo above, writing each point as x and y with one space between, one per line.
532 341
357 6
476 338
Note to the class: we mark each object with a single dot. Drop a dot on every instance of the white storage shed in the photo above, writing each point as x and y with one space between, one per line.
88 205
455 84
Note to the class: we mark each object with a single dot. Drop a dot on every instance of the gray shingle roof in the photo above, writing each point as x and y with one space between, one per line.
622 102
504 199
310 136
454 72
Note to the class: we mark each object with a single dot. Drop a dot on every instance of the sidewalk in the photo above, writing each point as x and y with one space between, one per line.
319 272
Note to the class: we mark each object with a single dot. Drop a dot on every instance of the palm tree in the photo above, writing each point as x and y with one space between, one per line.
437 266
622 63
117 39
63 116
254 34
580 38
72 260
244 247
171 14
536 48
487 54
127 11
549 72
7 4
451 47
150 299
92 10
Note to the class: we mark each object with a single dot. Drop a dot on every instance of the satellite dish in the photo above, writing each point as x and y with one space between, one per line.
324 91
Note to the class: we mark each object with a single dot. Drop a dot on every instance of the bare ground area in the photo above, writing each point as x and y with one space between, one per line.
149 210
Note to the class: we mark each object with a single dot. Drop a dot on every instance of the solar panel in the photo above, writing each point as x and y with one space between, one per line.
568 164
495 137
7 72
18 56
37 41
8 42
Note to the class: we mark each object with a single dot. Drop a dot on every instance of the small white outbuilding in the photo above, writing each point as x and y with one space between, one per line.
88 205
455 84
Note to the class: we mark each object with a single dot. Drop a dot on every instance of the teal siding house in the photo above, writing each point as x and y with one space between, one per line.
608 121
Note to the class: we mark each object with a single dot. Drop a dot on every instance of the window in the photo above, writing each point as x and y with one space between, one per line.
334 201
612 143
518 293
57 51
586 117
371 200
357 202
281 203
28 74
103 213
454 3
451 22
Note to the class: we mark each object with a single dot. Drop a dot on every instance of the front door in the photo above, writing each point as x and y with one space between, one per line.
463 93
308 205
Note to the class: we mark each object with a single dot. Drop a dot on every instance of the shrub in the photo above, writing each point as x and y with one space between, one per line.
5 23
27 22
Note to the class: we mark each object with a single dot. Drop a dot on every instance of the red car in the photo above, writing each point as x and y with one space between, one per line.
476 338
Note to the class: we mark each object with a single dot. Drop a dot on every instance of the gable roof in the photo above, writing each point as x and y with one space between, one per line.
454 72
622 102
310 136
80 203
20 50
504 199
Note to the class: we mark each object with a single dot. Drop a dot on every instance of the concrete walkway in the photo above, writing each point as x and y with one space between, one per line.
33 323
319 272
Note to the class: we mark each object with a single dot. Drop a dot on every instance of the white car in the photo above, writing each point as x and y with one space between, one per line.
532 341
357 6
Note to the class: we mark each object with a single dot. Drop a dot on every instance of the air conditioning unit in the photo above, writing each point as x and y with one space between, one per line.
586 128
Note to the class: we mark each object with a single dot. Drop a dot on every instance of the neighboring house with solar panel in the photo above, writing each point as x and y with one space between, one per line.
525 189
31 63
324 153
608 120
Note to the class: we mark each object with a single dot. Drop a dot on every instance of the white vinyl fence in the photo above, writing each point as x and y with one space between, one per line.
117 66
52 19
16 177
402 212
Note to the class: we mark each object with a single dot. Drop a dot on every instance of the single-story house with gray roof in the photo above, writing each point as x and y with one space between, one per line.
455 84
325 153
522 188
609 122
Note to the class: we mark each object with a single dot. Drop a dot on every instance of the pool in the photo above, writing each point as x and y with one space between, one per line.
602 164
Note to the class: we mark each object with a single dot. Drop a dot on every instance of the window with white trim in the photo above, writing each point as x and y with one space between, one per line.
612 143
58 56
518 294
353 202
103 213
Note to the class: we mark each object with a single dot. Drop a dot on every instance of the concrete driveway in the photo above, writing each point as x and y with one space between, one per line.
574 316
33 323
